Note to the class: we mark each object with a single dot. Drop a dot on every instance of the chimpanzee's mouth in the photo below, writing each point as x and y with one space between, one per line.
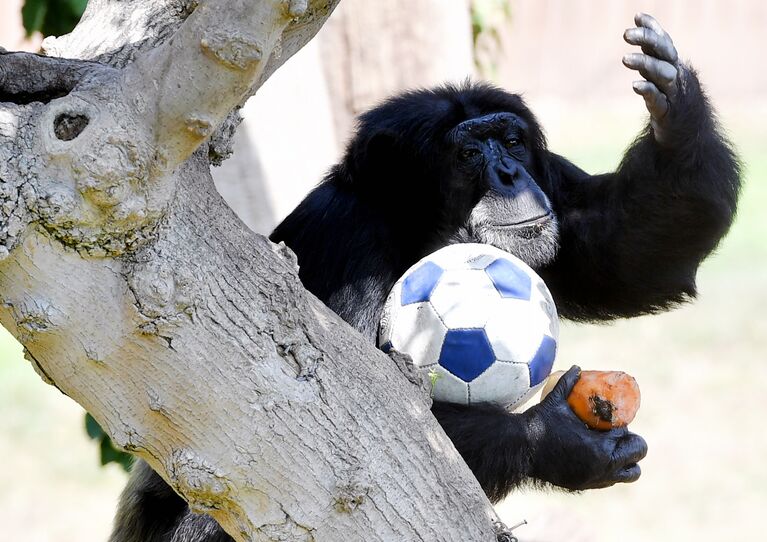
530 222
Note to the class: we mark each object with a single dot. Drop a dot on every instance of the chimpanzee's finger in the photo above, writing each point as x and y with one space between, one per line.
648 21
565 385
652 43
628 474
656 102
660 72
629 449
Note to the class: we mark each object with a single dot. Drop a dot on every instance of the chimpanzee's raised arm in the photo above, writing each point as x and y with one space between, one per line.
632 240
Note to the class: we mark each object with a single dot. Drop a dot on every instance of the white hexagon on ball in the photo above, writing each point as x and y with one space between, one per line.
513 332
419 329
449 387
457 309
505 383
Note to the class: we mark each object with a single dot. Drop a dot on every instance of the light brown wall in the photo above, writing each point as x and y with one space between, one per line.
572 48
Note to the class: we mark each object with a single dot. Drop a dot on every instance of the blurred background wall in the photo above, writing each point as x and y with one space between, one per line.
702 368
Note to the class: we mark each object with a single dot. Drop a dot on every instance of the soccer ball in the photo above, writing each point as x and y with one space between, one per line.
479 320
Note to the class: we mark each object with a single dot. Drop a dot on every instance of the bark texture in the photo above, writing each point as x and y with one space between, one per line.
137 292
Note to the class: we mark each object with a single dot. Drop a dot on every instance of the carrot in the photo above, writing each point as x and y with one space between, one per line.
602 399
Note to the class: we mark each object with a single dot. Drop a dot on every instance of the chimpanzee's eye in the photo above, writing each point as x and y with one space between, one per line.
512 142
469 153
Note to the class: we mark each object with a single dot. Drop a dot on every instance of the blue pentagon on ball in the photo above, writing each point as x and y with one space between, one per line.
543 361
466 353
509 279
418 285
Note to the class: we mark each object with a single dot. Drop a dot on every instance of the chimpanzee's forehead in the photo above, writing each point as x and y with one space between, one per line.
494 124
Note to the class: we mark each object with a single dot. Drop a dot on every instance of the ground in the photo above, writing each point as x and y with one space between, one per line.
701 369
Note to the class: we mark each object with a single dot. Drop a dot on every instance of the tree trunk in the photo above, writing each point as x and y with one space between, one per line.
138 293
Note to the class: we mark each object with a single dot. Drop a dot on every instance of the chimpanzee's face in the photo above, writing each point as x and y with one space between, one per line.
493 193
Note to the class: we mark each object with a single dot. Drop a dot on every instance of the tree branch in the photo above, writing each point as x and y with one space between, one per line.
228 44
27 77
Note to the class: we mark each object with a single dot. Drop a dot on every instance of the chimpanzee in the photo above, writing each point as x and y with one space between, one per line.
470 163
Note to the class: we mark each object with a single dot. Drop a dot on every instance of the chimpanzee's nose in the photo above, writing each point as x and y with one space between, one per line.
508 173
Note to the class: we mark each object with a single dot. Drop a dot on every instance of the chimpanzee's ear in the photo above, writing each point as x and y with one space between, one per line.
373 155
381 145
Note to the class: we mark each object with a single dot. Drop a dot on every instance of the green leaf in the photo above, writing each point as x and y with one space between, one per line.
125 461
110 454
77 6
93 428
434 376
59 19
33 15
52 17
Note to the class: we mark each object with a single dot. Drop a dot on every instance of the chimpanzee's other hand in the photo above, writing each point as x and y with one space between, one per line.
659 64
566 453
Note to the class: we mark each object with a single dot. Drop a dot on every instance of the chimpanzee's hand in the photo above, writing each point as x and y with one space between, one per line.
659 64
568 454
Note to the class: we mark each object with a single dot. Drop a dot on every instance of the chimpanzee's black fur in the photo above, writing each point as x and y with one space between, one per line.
626 243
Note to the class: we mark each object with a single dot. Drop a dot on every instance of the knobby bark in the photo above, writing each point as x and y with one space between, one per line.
137 292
